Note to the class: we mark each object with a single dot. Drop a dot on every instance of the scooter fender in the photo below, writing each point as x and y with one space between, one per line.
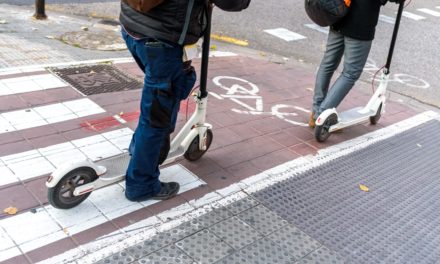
65 168
324 115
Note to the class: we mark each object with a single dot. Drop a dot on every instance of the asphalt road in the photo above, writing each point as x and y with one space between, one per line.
415 67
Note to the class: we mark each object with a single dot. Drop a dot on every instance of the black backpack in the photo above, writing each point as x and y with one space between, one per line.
326 12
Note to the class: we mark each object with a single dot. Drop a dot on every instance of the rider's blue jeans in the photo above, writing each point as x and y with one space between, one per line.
167 81
355 54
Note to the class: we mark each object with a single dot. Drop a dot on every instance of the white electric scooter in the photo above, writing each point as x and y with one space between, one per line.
72 183
330 120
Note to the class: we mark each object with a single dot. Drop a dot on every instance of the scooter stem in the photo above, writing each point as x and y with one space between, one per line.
205 52
394 38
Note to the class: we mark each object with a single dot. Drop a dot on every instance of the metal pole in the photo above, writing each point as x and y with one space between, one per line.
39 10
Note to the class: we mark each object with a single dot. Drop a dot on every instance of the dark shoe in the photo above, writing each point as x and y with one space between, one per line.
168 190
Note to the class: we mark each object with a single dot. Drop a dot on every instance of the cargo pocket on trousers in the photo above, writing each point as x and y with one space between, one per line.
186 81
161 107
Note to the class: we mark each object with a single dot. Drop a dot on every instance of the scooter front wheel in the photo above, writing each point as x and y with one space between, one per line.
61 196
322 132
193 152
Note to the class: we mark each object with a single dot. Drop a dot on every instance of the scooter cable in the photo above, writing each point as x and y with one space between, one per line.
187 101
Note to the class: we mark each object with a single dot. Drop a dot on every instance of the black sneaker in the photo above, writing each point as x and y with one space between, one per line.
168 190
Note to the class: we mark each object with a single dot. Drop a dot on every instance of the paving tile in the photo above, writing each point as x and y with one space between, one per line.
94 233
218 179
262 219
295 241
50 250
49 96
132 218
38 188
322 255
47 140
165 239
204 247
304 149
196 193
17 196
274 159
203 166
235 232
240 205
21 229
167 255
285 139
225 136
122 257
15 147
20 259
10 137
11 102
235 258
213 217
243 170
162 206
244 151
266 251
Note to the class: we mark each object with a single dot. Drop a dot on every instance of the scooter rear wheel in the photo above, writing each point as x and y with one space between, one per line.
322 132
193 152
375 119
61 196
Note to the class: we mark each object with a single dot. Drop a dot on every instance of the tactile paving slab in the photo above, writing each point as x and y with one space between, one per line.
396 221
96 79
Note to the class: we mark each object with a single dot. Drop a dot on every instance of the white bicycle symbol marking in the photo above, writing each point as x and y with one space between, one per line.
245 91
409 80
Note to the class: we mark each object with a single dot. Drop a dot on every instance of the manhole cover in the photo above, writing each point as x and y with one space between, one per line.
96 79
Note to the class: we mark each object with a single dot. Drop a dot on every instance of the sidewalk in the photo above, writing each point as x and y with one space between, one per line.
254 197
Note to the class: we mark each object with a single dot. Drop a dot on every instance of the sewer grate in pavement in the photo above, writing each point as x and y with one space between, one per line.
397 221
97 79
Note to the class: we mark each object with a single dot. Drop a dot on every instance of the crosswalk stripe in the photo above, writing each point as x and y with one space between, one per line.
317 28
29 84
49 225
429 12
48 114
33 163
285 34
412 16
387 19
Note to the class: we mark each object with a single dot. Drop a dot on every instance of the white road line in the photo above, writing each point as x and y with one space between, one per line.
48 114
412 16
387 19
429 12
108 245
37 162
32 230
317 28
284 34
30 84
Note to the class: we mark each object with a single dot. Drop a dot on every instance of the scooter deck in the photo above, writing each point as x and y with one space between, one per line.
353 115
116 166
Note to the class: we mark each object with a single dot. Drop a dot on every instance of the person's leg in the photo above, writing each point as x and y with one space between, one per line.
158 102
355 56
329 64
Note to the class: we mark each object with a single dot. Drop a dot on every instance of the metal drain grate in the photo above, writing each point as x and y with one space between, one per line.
97 79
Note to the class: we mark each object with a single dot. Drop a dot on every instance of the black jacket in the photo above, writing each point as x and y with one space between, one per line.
360 22
166 21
